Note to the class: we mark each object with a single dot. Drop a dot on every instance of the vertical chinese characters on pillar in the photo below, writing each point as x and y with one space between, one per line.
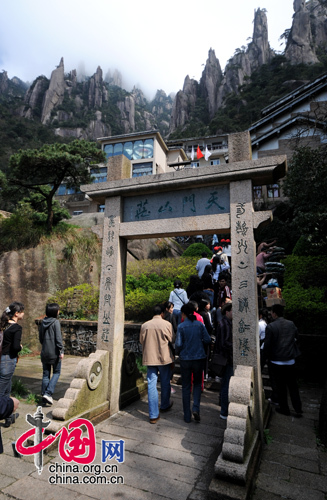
241 230
109 237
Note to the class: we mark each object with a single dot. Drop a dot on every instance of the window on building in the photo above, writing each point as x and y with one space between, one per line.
101 208
128 149
148 148
195 164
140 169
138 150
273 191
257 192
109 150
214 162
77 212
99 175
118 149
133 150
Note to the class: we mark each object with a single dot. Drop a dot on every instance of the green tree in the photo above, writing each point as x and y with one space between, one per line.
53 164
306 187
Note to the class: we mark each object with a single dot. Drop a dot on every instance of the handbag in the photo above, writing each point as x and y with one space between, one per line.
217 364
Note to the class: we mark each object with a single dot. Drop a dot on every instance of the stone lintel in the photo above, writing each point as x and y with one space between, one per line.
261 171
204 224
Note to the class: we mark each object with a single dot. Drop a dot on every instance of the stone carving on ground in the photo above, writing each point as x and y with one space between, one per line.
87 396
240 432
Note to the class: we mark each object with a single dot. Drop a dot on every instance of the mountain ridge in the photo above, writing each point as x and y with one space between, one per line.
97 107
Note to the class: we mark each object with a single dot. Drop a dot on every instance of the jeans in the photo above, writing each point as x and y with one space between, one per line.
48 386
7 368
152 377
224 390
188 367
177 313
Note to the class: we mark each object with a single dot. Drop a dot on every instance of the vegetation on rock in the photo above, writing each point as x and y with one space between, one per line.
53 164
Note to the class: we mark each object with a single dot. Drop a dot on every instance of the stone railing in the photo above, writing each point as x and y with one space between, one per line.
80 337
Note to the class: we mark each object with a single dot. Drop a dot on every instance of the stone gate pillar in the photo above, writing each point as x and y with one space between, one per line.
246 349
111 302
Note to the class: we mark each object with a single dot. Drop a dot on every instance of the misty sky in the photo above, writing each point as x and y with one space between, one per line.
153 44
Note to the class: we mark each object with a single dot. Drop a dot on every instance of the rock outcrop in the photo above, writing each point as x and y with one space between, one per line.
184 104
32 275
55 93
85 108
90 107
213 86
300 48
210 82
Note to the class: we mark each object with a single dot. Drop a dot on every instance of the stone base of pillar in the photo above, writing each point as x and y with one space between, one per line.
87 396
234 481
235 469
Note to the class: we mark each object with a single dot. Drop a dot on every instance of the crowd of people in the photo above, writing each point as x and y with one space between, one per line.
196 324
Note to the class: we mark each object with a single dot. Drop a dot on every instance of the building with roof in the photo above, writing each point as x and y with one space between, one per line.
299 118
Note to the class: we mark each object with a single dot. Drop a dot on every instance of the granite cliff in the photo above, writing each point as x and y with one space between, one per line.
89 107
305 42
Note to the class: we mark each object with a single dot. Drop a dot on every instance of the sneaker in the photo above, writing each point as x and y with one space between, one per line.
48 399
273 402
172 390
223 417
11 420
196 416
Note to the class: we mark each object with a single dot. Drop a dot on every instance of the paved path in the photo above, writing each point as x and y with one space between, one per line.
171 459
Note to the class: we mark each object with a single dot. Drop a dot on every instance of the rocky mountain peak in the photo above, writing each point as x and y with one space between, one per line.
55 93
300 47
214 86
210 81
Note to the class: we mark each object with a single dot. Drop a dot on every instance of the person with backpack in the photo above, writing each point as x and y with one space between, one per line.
11 344
52 351
178 297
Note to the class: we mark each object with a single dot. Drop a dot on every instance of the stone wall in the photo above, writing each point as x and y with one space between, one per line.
79 337
33 275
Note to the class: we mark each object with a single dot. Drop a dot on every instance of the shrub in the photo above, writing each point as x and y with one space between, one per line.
148 282
196 250
165 269
86 305
19 231
139 304
305 292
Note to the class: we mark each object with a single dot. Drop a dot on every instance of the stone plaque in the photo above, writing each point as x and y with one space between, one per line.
185 203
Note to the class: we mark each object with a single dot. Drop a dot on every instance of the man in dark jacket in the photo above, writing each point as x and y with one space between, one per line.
281 349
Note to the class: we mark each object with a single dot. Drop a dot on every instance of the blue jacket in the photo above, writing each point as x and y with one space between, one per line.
190 338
